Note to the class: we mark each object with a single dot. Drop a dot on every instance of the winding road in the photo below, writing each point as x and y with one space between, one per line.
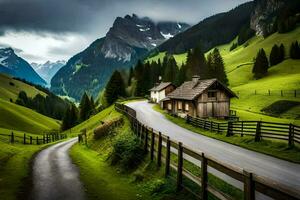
55 177
280 171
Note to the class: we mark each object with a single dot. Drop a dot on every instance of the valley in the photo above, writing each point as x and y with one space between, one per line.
182 100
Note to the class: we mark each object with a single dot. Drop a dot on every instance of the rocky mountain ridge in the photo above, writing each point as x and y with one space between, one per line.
16 66
129 39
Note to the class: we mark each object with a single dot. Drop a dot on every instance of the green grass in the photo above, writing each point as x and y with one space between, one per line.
100 179
9 91
269 147
19 118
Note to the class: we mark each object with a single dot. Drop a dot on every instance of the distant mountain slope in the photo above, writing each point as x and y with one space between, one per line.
48 69
212 31
15 117
10 88
15 66
129 39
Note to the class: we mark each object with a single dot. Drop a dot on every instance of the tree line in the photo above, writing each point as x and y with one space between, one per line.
143 76
277 55
74 115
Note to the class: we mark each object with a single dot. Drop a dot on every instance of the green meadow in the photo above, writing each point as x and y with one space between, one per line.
238 65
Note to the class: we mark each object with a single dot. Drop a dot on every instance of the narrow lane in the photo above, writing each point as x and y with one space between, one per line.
55 177
281 171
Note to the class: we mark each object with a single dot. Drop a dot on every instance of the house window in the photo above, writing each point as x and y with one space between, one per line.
179 105
186 108
169 106
212 95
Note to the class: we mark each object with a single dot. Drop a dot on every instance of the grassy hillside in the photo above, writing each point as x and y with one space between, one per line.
10 88
17 117
284 76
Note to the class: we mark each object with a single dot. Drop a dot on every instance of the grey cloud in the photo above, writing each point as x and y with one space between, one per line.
94 17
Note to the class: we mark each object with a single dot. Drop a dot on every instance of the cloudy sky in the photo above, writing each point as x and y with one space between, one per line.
41 30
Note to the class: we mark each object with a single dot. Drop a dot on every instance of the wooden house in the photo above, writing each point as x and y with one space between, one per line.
160 90
200 98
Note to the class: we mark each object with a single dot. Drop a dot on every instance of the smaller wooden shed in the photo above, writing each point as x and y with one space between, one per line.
160 90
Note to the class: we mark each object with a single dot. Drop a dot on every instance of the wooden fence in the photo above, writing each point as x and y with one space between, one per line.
25 139
257 129
154 142
282 93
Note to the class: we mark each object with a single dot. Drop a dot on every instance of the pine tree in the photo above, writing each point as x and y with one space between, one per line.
130 76
85 107
66 121
139 74
196 64
282 52
295 50
115 88
181 76
22 99
93 106
275 55
171 70
217 66
261 65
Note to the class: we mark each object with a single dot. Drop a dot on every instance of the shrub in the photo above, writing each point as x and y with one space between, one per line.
106 127
127 152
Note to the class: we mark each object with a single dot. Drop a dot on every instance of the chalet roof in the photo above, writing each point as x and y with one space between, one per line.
161 86
191 89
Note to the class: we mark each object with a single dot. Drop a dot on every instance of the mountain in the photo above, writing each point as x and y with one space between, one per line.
48 69
15 66
129 39
260 17
212 31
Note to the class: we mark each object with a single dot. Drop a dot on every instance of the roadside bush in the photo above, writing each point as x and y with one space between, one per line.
105 128
127 152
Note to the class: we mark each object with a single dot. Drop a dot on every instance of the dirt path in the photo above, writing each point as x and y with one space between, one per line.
55 177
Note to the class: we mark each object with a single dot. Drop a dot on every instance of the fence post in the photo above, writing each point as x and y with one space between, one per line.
242 134
12 139
24 139
146 140
37 140
229 129
211 126
258 132
159 146
152 145
204 177
291 135
179 167
168 154
187 119
204 123
78 138
218 131
30 139
249 189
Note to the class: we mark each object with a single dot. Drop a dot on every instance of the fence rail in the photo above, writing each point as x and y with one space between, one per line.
37 140
257 129
153 142
282 93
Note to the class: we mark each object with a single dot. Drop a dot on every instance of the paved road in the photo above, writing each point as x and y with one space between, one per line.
55 177
278 170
